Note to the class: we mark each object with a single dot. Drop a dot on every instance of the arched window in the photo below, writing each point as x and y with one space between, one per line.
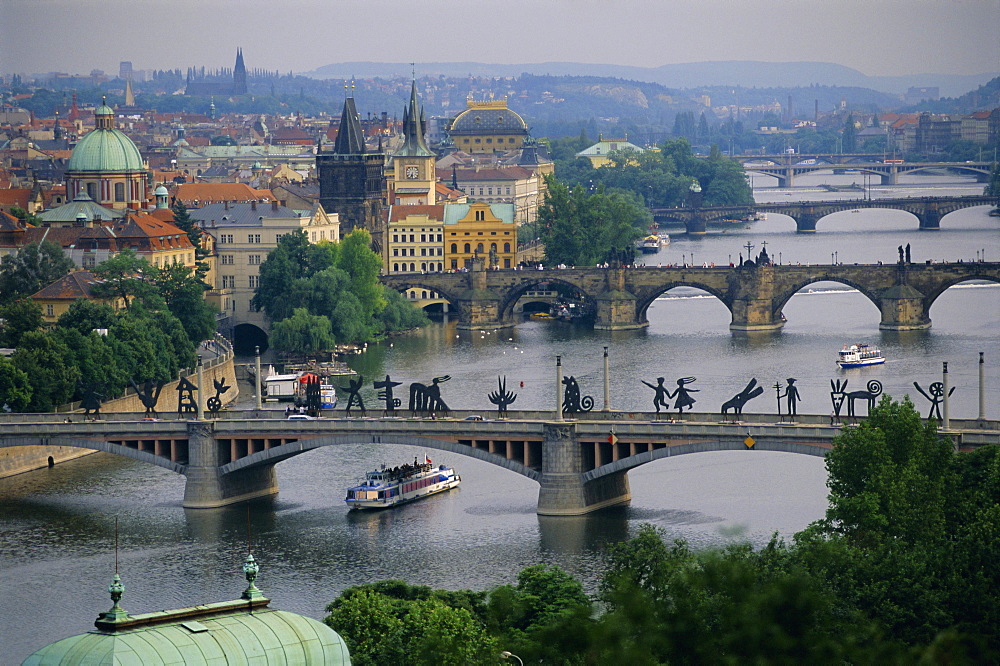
493 247
92 191
468 248
479 248
454 248
506 247
395 268
413 268
119 191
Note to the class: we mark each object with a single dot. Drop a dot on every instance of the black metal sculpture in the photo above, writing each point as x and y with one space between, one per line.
935 393
791 395
186 403
91 402
683 394
353 389
661 394
749 392
874 390
214 403
391 403
502 398
149 395
572 400
427 398
313 395
837 395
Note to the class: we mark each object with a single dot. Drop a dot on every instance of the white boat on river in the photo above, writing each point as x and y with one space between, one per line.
396 485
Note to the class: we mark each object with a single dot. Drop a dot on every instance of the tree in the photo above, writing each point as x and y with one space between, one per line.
15 388
19 317
184 292
35 266
47 364
183 221
302 332
125 277
993 187
85 316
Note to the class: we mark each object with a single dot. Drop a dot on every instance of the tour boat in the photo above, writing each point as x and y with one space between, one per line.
650 244
859 355
396 485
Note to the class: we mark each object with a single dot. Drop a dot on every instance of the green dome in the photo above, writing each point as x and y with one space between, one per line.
105 150
161 191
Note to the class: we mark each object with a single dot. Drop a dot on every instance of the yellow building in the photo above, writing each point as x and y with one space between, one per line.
56 298
487 126
479 230
598 153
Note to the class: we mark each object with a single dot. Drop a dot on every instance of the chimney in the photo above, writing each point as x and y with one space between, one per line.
226 204
274 205
253 205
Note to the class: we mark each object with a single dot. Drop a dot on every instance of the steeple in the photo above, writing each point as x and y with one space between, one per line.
413 129
239 74
350 138
129 95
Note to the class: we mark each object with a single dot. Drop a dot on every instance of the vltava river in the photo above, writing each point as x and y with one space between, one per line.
57 525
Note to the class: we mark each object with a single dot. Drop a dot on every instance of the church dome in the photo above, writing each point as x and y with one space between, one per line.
488 118
105 150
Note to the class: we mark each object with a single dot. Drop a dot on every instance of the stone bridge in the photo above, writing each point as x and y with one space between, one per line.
785 168
755 294
927 210
579 466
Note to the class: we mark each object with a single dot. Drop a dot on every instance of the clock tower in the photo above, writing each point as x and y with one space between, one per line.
414 176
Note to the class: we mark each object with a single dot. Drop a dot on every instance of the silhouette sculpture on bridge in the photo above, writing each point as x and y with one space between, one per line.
186 403
149 395
353 387
935 393
502 398
749 392
391 403
573 402
91 402
683 395
214 403
874 390
424 398
661 394
791 394
837 395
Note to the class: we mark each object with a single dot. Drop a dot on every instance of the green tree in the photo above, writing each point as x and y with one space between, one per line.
183 290
34 266
126 277
302 332
18 318
86 315
15 387
183 220
48 365
94 359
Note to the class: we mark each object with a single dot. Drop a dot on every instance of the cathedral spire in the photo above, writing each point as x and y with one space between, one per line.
414 144
350 138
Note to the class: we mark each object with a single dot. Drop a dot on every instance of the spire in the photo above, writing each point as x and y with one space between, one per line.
129 95
413 129
350 139
239 74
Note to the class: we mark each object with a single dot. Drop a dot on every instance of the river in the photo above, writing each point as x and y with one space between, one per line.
57 526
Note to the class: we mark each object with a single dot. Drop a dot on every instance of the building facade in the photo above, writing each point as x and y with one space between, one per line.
479 231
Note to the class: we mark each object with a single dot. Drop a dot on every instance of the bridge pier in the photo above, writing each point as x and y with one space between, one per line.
206 488
930 218
805 223
563 491
753 305
478 307
616 310
902 309
696 225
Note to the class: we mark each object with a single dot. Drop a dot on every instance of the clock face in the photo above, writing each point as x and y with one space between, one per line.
412 172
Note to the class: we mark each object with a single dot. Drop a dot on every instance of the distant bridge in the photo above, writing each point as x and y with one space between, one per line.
927 210
755 294
786 167
578 465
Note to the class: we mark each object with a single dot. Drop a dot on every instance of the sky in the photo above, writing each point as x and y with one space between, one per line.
876 37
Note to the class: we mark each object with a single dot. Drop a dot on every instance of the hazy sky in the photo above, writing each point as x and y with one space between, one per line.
877 37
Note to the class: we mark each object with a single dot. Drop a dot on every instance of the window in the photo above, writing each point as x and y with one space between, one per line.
480 214
255 238
489 191
228 281
413 268
423 252
440 238
254 281
92 191
506 262
226 259
254 259
454 248
119 191
506 247
278 237
468 248
225 238
423 238
395 268
395 238
395 251
413 238
493 247
479 248
50 310
454 264
423 269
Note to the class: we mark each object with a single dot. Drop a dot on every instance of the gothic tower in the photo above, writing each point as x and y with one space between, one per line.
352 180
414 176
239 75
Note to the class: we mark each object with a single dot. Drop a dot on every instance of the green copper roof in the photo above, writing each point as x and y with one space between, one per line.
70 212
105 150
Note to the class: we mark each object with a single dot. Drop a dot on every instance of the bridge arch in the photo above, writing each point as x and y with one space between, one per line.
644 301
944 286
510 299
782 298
278 453
404 281
97 445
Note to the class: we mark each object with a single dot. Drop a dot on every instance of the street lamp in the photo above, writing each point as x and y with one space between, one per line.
779 258
510 655
684 259
831 258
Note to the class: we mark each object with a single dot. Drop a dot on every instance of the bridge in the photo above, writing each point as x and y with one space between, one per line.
580 465
755 291
786 167
927 210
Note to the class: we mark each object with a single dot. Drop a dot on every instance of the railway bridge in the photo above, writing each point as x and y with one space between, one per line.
580 465
786 167
755 291
927 210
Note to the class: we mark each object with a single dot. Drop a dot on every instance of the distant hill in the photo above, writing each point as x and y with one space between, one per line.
743 73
